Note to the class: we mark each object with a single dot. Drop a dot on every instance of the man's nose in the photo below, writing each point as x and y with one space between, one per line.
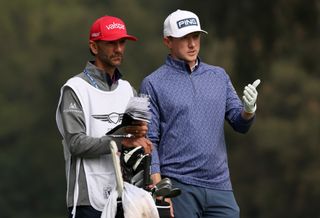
191 42
118 46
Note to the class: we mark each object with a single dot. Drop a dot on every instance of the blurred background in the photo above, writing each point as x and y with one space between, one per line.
275 168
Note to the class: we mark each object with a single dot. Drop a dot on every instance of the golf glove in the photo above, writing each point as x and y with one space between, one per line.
250 97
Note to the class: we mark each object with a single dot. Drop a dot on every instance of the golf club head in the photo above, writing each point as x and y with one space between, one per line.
139 184
173 193
165 181
161 191
137 178
131 156
139 164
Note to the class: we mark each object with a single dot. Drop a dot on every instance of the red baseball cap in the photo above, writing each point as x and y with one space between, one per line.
108 28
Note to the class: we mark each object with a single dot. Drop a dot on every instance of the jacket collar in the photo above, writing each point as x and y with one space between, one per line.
101 75
180 65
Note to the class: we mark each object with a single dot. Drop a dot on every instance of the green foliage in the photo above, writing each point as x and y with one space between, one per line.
274 167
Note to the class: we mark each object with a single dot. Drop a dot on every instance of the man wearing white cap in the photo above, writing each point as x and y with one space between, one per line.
91 104
190 101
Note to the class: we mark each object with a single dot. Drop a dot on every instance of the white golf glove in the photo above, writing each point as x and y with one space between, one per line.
250 97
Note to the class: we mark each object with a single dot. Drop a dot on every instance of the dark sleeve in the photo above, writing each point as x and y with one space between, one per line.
73 121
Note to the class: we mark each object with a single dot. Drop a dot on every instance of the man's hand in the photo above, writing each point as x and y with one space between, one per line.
138 129
168 200
135 142
156 177
250 95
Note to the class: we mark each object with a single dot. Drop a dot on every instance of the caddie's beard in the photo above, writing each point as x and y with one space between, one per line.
113 60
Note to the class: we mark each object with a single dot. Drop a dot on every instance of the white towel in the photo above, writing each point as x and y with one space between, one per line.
136 203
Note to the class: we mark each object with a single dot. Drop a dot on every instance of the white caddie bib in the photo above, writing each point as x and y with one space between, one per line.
102 111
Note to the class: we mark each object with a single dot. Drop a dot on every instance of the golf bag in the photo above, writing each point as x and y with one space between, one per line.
127 200
135 166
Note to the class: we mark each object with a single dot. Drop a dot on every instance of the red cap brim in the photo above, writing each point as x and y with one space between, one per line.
117 37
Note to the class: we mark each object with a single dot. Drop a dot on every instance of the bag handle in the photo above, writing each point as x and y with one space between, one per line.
116 165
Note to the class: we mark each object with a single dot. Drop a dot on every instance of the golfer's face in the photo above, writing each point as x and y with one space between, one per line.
110 53
186 48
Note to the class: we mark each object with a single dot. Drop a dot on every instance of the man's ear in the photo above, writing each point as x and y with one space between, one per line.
167 42
93 47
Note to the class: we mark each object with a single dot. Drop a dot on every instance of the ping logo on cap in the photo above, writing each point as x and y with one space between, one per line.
187 22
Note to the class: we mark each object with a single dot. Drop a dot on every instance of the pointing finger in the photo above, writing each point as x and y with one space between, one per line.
256 83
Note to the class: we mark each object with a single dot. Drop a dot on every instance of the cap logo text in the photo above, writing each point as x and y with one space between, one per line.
115 26
187 22
95 34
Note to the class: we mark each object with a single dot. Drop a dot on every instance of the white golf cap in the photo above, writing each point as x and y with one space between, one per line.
181 23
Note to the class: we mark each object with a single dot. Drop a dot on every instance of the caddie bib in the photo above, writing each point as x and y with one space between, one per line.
103 110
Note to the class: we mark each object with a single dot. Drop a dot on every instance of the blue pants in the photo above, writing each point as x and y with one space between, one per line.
85 212
90 212
196 202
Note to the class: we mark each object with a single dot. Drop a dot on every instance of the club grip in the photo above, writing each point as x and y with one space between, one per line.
146 170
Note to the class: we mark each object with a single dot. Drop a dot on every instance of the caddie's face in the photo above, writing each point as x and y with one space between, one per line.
185 48
109 53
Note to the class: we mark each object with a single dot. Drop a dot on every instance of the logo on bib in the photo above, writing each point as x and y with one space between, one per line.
113 117
72 108
106 192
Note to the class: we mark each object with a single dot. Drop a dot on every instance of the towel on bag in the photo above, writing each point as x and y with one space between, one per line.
136 202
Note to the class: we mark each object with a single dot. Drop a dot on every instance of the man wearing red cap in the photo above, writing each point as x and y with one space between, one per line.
91 104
